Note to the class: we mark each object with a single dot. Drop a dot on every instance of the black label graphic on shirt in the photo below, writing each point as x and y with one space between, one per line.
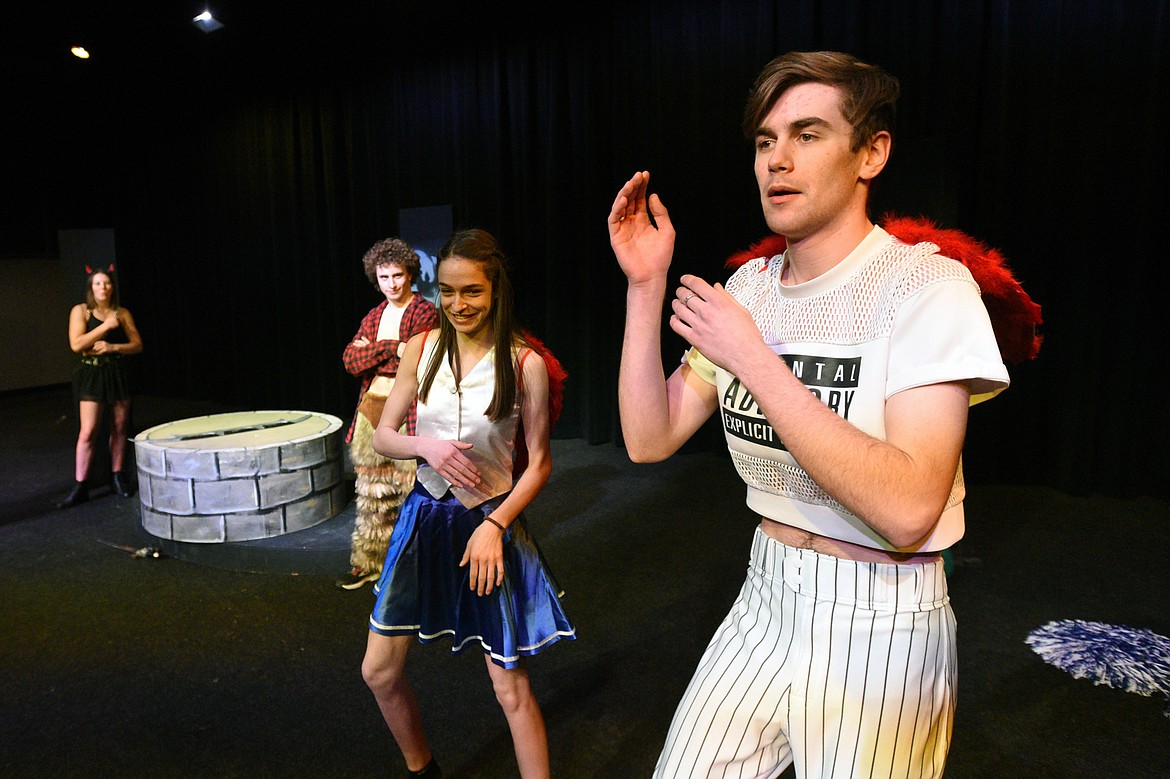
754 429
830 372
832 380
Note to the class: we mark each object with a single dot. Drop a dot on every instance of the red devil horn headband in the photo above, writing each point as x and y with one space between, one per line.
90 270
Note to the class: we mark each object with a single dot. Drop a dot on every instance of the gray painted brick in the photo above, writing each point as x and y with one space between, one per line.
302 454
325 476
172 496
280 488
191 464
249 527
158 525
227 495
200 530
149 459
308 512
248 462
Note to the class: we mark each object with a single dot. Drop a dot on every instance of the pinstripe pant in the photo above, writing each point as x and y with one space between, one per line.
845 668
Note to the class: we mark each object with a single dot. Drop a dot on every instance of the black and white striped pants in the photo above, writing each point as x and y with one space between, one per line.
846 668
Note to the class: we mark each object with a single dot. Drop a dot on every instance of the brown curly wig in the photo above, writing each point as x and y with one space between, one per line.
390 251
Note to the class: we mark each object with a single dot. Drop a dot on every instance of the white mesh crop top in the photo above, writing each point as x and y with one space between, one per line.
887 318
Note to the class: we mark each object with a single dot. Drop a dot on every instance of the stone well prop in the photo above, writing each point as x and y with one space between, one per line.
239 476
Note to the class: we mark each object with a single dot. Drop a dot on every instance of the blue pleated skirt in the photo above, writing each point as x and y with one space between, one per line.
424 592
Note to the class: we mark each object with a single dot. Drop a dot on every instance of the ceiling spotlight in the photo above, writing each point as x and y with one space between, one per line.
79 52
206 22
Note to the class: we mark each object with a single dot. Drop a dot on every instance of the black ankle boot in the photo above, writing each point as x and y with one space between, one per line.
122 485
79 494
431 771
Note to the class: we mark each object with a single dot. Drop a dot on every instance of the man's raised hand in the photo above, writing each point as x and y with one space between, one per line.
643 251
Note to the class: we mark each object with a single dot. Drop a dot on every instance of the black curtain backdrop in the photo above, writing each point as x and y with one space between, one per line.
246 172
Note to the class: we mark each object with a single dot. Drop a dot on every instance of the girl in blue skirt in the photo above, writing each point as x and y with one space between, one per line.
461 563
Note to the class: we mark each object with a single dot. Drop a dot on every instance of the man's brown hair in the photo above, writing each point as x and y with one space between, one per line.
868 93
391 251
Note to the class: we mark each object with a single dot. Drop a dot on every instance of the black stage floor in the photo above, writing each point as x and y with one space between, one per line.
243 660
321 550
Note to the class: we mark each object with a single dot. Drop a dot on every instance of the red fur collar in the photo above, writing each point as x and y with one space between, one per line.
556 397
1015 317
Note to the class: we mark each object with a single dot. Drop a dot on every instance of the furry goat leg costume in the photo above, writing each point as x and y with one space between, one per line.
382 486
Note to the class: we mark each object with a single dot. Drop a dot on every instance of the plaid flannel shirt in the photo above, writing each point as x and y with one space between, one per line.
380 358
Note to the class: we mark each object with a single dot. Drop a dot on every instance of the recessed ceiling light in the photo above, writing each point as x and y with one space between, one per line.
206 22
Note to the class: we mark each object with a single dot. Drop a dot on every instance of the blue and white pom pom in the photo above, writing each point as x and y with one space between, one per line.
1130 659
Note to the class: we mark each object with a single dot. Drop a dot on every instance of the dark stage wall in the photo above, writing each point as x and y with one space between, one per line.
246 171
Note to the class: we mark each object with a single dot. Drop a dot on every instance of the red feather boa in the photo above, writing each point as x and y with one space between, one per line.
556 397
1015 317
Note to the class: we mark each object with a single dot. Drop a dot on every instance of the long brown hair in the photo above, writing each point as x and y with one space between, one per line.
481 246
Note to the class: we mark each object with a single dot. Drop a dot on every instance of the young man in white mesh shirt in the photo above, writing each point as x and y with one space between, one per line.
843 370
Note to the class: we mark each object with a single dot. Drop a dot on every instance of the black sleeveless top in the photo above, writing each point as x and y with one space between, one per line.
115 336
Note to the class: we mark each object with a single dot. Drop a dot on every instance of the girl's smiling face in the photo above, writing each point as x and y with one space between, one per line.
465 295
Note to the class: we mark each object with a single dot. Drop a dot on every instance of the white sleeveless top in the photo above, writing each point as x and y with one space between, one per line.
461 414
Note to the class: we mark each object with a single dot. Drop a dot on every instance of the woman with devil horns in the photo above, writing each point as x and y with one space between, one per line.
101 334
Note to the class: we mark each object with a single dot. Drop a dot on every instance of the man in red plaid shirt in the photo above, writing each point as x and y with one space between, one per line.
373 354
